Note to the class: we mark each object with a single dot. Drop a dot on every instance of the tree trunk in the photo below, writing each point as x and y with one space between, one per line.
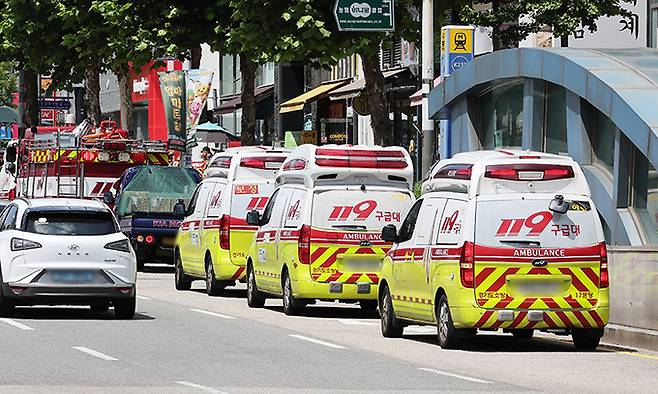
30 115
195 57
92 93
125 97
379 108
248 70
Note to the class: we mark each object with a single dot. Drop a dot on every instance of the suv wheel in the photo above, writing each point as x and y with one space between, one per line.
182 281
449 337
391 327
125 308
255 299
6 305
586 339
213 286
291 306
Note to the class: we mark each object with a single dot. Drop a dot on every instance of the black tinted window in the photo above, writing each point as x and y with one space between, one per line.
70 223
409 224
9 221
267 213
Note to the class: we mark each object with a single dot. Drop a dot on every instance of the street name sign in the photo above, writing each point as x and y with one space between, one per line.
365 15
54 103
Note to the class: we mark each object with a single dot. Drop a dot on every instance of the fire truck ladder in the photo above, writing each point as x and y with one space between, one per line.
74 172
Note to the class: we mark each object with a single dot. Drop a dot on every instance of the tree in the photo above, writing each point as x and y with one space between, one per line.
512 21
8 78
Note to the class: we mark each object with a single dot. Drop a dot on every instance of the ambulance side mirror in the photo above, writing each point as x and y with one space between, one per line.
11 168
108 198
253 218
179 208
558 205
389 233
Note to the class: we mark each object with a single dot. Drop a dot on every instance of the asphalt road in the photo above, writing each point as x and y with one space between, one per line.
189 342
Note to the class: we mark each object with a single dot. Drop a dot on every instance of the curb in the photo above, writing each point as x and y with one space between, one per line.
631 337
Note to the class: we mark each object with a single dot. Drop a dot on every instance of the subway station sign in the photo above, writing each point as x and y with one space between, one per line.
365 15
457 47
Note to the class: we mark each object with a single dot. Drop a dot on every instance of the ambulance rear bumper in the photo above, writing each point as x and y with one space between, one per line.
308 289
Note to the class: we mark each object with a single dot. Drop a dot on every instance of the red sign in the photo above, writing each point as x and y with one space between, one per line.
245 189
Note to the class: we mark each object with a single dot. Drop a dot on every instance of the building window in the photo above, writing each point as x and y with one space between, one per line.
644 195
230 75
653 24
555 124
501 115
603 140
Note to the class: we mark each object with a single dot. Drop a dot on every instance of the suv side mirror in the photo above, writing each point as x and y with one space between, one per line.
253 218
558 205
108 198
10 167
390 233
179 208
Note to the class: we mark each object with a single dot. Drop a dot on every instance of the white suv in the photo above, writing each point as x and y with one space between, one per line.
65 252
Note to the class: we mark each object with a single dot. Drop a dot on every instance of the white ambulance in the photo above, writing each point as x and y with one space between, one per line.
214 238
319 236
500 240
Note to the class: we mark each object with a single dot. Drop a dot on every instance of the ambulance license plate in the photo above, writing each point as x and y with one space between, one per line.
168 242
362 264
72 276
537 287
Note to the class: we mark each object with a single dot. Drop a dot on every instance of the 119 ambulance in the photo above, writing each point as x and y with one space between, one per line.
319 235
499 240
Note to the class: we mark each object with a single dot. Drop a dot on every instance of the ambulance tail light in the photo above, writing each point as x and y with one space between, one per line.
455 171
262 163
295 164
139 157
529 172
304 245
328 157
466 268
222 162
225 232
604 279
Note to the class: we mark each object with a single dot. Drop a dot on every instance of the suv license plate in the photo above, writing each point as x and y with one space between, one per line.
72 276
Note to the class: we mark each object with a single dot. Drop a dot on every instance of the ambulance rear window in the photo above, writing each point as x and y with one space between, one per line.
522 223
352 209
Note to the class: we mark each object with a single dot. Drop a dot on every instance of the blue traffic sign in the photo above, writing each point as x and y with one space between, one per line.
54 103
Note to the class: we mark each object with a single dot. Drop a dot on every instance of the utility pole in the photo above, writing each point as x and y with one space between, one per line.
427 74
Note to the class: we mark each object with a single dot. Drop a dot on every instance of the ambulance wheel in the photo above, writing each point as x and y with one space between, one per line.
368 305
586 339
449 337
213 286
181 280
391 327
523 335
255 299
291 306
125 309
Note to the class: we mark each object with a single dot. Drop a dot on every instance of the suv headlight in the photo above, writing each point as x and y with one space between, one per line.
18 244
121 246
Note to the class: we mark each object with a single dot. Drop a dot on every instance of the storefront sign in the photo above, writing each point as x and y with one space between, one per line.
365 15
361 105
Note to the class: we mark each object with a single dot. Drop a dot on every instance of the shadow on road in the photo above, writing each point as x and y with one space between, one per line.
158 269
69 313
228 293
330 312
499 342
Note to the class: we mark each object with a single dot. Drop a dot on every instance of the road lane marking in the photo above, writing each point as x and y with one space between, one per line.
200 387
454 375
17 324
350 322
212 313
94 353
317 341
142 297
641 355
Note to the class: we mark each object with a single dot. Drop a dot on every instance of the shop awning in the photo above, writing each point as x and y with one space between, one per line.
260 93
353 89
416 99
297 103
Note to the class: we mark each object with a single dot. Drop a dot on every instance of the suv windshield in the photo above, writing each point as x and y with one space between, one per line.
353 209
156 189
70 223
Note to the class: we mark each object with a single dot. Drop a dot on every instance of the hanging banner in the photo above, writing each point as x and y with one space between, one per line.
172 85
197 83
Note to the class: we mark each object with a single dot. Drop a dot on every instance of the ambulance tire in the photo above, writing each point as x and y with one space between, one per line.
255 299
391 327
125 309
449 337
214 287
181 280
586 339
291 306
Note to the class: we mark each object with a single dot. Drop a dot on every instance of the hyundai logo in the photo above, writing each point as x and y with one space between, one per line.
74 247
365 242
540 263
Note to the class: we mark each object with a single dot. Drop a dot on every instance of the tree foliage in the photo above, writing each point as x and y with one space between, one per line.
512 21
8 85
